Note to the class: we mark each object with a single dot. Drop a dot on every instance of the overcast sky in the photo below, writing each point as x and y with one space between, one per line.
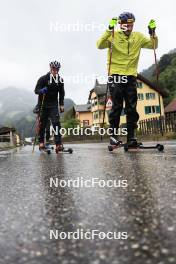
29 39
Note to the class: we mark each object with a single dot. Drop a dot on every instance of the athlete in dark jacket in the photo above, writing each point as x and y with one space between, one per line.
48 87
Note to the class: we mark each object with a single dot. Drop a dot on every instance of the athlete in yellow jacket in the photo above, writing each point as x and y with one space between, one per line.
125 56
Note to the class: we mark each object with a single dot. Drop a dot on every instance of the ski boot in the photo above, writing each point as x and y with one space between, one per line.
59 148
132 144
41 146
114 143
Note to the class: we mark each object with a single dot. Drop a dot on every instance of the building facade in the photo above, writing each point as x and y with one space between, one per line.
9 137
83 114
150 102
170 109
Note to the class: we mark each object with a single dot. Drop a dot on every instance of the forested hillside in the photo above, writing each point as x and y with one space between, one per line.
167 76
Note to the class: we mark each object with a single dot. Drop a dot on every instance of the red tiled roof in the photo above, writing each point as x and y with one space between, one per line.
171 107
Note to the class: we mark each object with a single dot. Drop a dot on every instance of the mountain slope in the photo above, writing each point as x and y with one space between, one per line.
16 107
167 70
14 104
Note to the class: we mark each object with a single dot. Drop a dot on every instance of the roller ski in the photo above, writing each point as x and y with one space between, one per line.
133 145
115 143
43 148
60 148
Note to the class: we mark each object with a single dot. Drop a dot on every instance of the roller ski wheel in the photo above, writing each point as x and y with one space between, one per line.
70 150
48 148
125 147
160 147
110 148
48 151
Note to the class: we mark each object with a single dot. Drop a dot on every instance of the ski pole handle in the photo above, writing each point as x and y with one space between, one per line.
111 48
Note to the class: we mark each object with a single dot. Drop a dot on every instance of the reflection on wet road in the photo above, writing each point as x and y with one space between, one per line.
146 209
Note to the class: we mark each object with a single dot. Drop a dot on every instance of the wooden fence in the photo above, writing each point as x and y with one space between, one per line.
4 138
159 125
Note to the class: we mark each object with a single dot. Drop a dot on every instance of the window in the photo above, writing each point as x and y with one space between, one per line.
140 96
157 109
101 100
150 96
101 114
95 115
94 101
154 109
85 122
148 110
139 85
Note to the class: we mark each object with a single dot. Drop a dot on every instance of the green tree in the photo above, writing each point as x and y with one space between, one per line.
167 70
69 120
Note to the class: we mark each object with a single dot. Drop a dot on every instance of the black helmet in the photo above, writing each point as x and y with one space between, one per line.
126 17
55 64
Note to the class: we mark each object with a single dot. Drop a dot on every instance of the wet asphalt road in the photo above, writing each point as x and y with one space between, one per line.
146 209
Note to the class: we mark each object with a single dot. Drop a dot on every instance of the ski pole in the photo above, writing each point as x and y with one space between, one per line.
109 71
157 81
38 123
33 124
